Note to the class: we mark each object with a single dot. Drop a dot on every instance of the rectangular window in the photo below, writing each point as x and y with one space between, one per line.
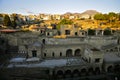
34 53
53 54
44 54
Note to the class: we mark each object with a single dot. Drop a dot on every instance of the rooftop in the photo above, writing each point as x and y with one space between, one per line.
112 58
109 46
8 30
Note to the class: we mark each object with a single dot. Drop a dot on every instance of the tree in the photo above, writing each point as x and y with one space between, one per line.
65 21
112 16
106 17
7 21
99 16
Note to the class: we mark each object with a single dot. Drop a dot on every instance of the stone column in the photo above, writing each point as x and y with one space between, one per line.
72 52
50 72
96 32
102 32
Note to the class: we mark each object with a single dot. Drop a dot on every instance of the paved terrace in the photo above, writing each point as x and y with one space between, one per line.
50 63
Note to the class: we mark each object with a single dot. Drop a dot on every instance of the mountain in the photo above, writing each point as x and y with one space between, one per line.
68 13
90 12
83 14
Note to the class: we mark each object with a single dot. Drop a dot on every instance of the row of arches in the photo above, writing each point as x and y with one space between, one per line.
77 72
69 52
115 68
115 49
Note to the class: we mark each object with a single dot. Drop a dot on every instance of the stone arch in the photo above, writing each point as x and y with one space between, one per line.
90 71
83 33
116 48
97 70
43 41
107 50
77 52
111 50
76 33
110 69
83 72
60 73
117 68
68 73
69 53
75 73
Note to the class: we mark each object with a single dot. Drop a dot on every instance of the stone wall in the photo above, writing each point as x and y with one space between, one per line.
98 42
49 50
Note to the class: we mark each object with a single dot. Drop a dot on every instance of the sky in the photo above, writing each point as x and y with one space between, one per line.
58 6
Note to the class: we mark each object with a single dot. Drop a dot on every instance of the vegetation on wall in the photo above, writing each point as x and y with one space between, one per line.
63 22
110 16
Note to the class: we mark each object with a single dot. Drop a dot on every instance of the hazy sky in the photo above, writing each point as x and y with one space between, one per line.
58 6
